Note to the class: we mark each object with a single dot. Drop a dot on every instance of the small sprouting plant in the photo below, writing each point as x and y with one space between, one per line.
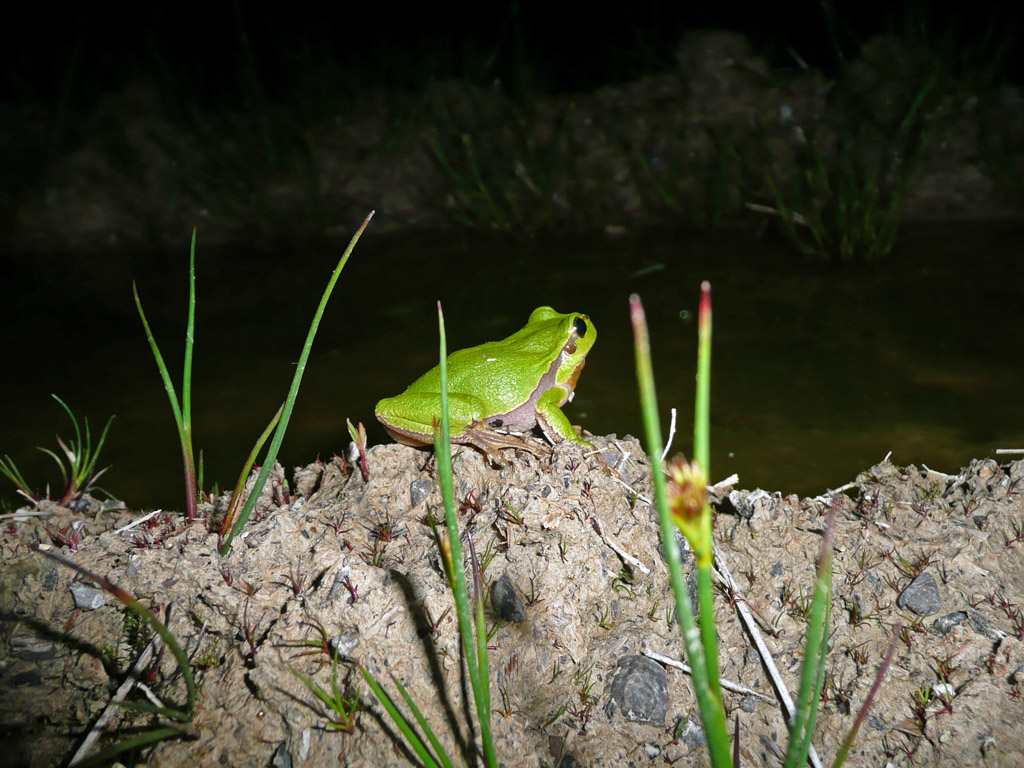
77 466
69 536
358 435
488 556
508 513
182 411
295 580
342 706
1018 534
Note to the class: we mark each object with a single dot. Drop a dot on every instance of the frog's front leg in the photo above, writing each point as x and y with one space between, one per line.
553 421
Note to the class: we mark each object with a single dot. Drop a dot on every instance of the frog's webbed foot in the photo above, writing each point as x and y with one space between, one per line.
490 442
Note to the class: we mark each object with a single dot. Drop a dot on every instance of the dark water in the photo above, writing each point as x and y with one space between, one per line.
817 373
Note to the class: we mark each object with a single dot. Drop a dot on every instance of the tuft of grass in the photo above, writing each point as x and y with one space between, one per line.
683 504
342 707
183 411
77 466
285 413
473 631
235 519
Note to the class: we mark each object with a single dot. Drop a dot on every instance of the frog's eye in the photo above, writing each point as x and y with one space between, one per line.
580 325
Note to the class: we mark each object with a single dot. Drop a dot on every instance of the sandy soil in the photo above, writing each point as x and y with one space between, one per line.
355 561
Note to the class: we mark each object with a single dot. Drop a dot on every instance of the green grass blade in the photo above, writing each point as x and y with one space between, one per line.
90 468
60 464
236 498
815 652
293 393
702 455
188 452
484 694
77 442
403 725
442 449
172 395
10 471
434 742
184 436
186 379
133 742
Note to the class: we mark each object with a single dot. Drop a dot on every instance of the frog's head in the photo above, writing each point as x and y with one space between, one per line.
575 334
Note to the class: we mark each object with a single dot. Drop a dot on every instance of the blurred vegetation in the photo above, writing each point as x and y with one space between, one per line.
244 85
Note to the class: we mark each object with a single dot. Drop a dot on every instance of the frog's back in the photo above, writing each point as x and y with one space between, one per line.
478 369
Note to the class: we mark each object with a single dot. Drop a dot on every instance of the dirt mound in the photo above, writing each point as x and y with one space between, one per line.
573 562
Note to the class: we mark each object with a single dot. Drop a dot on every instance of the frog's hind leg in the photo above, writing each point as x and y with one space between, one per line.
488 440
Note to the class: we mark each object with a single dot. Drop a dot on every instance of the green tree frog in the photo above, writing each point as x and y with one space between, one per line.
500 388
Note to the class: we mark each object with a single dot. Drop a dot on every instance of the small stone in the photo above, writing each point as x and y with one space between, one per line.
419 489
749 704
254 538
87 598
50 579
281 758
506 601
640 690
652 750
982 626
345 642
737 502
944 624
921 597
612 459
692 734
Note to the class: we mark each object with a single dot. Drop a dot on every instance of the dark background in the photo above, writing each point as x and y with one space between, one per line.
224 53
71 327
